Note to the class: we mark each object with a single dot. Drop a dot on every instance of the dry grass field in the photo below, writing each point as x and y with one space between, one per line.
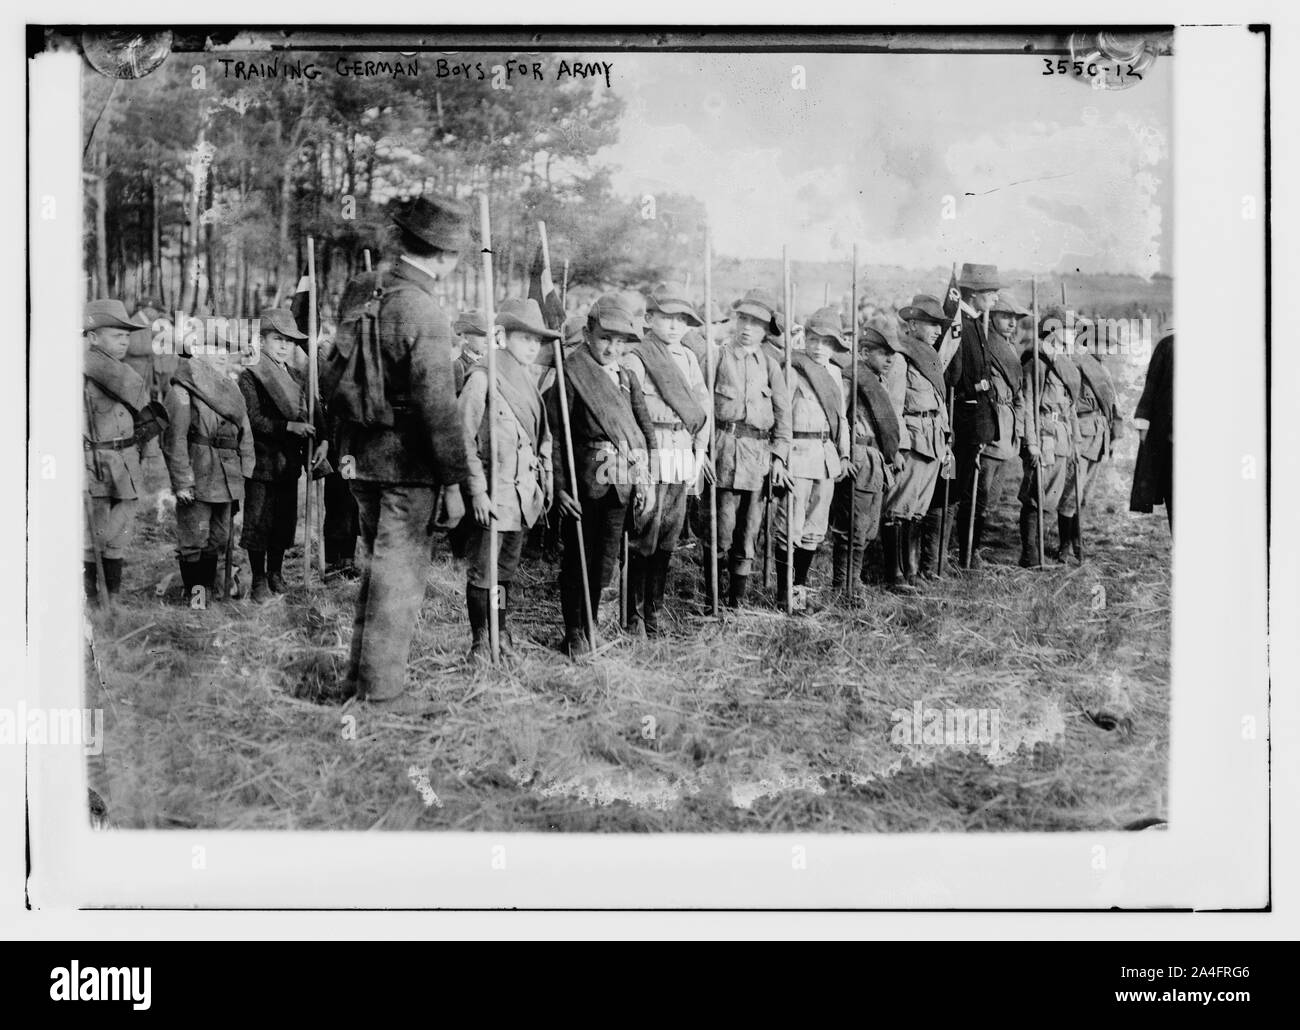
761 722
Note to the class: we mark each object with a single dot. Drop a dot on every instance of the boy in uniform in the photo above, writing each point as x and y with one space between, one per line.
208 448
472 331
819 450
115 398
1099 423
677 399
519 464
751 440
874 454
612 439
1049 456
916 386
275 397
996 457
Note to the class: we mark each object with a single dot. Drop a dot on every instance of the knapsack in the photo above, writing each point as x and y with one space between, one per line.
351 377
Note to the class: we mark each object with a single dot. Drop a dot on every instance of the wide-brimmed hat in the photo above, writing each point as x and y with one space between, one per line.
1054 314
670 298
470 323
439 221
759 303
524 315
924 308
1007 305
979 278
718 314
826 322
872 336
280 320
617 313
109 314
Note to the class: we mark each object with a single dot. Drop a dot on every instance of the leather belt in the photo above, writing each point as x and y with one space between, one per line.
743 429
119 444
800 434
674 426
207 441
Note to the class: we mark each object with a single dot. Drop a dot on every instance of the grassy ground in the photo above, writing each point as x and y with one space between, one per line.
762 722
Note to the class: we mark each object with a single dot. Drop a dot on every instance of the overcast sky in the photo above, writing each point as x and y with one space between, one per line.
1079 178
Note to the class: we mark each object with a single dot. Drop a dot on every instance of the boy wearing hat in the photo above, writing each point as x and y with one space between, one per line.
275 397
819 450
975 415
874 459
519 464
996 459
114 399
1049 456
472 331
677 399
751 406
613 441
404 465
916 385
1099 423
208 448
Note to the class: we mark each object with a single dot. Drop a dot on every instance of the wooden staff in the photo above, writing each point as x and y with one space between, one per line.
489 320
942 560
563 398
788 600
365 257
564 292
1038 439
1078 462
826 291
710 417
230 552
624 604
849 577
307 524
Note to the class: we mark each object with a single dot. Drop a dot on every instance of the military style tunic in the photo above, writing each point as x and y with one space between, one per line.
676 445
922 439
752 411
112 461
1056 430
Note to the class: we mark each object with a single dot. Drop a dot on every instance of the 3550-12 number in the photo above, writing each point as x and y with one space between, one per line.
1063 67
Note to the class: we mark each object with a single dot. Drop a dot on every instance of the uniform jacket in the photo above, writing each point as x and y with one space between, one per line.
749 386
922 418
207 451
595 457
520 463
1057 425
108 416
817 459
425 447
676 446
1153 473
280 454
975 417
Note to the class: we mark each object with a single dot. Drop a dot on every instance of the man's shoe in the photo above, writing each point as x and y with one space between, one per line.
275 581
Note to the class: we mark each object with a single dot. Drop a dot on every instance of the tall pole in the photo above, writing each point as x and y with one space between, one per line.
1038 438
489 320
307 523
849 577
1078 462
563 398
365 257
710 416
788 327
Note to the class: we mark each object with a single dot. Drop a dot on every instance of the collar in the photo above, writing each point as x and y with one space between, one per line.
406 269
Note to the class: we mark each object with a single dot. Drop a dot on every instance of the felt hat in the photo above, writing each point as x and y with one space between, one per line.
573 326
871 336
439 221
979 277
826 322
109 314
759 303
617 313
470 323
518 314
925 308
280 320
671 299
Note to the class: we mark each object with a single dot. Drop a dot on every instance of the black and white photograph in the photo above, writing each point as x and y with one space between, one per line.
662 435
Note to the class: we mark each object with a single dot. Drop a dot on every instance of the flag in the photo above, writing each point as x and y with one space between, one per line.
299 307
952 299
950 342
541 288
